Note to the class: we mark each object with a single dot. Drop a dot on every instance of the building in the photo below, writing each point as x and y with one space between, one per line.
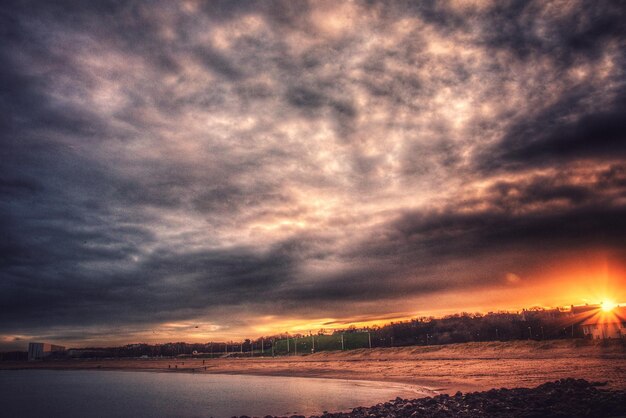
584 309
39 351
606 325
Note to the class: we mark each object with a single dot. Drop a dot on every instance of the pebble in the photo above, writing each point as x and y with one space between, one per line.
562 398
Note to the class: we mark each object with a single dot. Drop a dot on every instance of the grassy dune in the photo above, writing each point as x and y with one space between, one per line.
490 350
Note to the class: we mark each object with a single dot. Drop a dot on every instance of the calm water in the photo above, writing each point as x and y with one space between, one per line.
82 393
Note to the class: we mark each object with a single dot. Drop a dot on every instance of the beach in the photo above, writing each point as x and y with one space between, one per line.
443 369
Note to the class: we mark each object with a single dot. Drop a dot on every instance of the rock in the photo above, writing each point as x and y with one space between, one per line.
562 398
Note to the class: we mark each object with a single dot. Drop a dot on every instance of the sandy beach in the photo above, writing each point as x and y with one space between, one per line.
444 369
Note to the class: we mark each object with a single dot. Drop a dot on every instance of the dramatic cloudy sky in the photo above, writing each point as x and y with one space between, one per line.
205 170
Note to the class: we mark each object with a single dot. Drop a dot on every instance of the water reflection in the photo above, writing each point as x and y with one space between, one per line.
80 393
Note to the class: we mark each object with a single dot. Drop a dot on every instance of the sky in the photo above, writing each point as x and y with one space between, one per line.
198 171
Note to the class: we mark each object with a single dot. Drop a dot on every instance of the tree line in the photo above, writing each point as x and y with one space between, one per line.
535 324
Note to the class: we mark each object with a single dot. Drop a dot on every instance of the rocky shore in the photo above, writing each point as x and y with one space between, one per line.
562 398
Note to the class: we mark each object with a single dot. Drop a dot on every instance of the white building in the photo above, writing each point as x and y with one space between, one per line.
606 325
39 351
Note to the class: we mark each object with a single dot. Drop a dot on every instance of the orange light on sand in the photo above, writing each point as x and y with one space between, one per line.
608 306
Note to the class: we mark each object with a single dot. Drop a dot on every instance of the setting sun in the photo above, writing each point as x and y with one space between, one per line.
608 306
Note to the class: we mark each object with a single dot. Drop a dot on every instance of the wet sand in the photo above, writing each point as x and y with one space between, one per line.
445 369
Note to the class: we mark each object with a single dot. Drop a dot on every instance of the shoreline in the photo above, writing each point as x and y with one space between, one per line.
425 390
552 399
441 369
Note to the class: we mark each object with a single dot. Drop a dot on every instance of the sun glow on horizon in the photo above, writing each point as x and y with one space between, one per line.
608 306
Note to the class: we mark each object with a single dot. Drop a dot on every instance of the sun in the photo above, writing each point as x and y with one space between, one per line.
608 306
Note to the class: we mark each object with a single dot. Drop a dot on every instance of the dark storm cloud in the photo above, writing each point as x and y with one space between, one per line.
164 286
562 30
218 63
526 29
563 132
305 98
476 233
586 121
220 161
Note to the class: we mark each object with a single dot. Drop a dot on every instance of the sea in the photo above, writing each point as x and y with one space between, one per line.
99 393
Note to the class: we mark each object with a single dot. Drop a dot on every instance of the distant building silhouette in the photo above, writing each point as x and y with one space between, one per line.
39 351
